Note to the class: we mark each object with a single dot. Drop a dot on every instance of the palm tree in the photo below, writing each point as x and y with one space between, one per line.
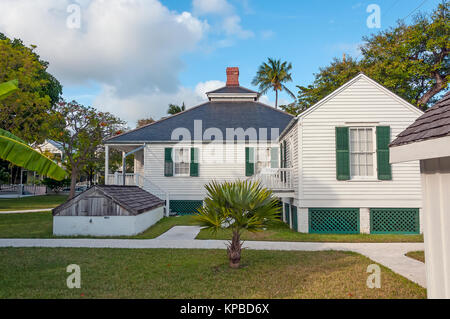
237 206
273 75
174 109
15 150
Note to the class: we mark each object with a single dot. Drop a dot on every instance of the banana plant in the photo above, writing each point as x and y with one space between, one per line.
18 152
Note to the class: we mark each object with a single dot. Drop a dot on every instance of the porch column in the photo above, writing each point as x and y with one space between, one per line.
106 163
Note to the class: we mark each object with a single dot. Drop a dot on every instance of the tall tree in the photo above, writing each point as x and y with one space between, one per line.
80 130
410 60
174 109
272 76
25 112
18 152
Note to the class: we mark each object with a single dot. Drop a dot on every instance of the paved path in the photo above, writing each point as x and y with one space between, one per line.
180 233
391 255
26 211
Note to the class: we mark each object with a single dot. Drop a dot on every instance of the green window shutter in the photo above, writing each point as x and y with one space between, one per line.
168 162
383 140
284 154
249 161
274 157
194 162
342 154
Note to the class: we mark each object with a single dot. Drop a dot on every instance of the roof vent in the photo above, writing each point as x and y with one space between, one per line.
233 76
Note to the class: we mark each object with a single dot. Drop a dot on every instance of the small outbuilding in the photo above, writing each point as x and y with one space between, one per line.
428 140
108 210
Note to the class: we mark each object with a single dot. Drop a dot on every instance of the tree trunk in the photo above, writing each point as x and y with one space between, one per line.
73 182
440 83
276 98
234 250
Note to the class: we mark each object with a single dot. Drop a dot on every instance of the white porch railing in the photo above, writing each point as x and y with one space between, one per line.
276 179
139 180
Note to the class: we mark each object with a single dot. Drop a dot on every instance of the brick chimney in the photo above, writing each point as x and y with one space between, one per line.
233 76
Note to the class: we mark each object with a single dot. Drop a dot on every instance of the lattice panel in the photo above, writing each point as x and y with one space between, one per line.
394 221
334 220
185 207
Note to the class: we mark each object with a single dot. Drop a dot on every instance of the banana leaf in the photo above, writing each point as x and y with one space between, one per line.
14 150
7 88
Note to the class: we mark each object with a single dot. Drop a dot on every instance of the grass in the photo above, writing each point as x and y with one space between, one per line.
181 273
39 225
418 255
281 232
32 202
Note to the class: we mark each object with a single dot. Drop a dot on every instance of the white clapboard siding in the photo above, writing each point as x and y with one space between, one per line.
365 102
212 166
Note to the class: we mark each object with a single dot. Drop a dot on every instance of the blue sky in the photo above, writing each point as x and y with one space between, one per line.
133 58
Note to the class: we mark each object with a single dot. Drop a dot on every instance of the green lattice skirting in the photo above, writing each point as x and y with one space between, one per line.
334 220
185 207
394 221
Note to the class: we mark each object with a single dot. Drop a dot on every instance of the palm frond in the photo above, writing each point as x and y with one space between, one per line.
16 151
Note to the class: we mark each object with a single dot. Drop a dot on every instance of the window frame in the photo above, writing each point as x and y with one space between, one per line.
374 176
175 162
267 161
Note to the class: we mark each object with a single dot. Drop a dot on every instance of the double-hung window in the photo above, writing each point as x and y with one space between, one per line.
362 153
182 161
262 158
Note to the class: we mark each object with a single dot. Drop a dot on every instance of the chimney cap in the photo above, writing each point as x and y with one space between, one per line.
232 76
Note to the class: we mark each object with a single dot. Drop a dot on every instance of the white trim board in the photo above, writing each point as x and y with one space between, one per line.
428 149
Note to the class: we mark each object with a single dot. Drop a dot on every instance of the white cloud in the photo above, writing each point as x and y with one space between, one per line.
267 34
211 7
133 45
153 105
230 22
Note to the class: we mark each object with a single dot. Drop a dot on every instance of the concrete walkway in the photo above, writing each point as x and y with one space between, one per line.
26 211
180 233
391 255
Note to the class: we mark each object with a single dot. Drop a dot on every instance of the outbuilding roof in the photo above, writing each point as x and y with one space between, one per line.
434 123
215 115
133 198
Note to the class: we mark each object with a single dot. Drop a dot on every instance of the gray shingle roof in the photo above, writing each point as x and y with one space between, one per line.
434 123
221 115
232 89
132 198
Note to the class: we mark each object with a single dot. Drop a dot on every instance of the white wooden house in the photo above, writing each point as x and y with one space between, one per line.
220 140
233 136
339 156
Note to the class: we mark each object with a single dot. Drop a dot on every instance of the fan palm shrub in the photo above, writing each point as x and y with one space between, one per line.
237 206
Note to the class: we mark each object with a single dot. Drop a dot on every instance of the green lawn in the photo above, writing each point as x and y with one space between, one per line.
281 232
181 273
39 225
419 255
32 202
